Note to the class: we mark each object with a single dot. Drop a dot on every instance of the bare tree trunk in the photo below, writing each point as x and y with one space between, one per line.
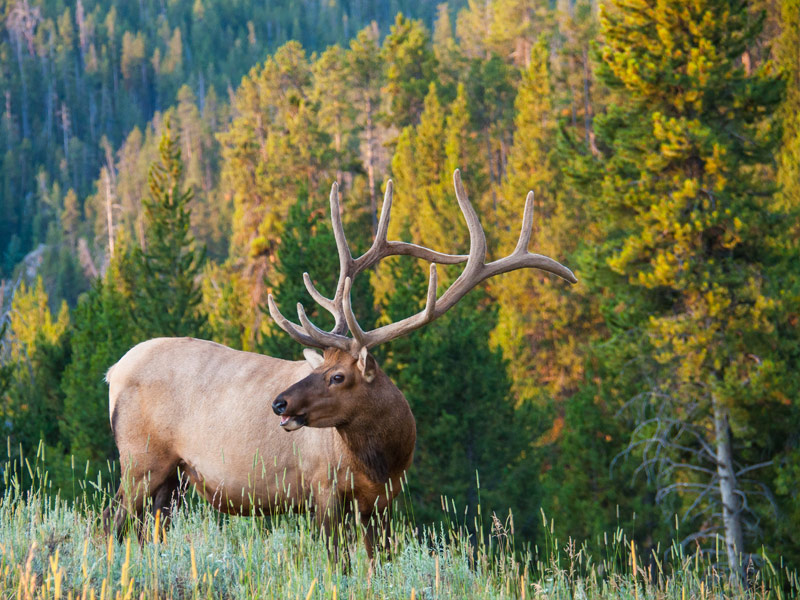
110 184
8 118
65 124
24 104
731 502
373 202
587 102
492 181
110 215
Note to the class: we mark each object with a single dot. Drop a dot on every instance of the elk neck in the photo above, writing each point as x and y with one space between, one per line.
382 436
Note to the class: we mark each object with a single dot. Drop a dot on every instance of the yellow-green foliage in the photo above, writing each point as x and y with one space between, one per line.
686 186
31 319
695 204
226 302
788 175
424 198
422 167
535 309
273 147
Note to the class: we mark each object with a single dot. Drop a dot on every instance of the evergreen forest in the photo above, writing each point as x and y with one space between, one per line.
167 165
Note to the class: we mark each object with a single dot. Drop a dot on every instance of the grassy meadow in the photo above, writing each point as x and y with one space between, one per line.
54 548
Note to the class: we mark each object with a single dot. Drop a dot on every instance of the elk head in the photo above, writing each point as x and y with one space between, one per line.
347 374
334 394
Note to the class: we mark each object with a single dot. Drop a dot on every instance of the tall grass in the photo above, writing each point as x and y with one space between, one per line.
51 548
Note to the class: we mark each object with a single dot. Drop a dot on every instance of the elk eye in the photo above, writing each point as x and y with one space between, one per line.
338 378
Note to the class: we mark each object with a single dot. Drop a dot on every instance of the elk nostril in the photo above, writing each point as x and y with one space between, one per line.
279 406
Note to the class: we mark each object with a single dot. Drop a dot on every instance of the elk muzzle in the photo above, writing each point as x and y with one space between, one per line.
288 422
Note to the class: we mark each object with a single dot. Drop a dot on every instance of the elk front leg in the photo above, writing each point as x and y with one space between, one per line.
167 499
142 476
126 510
378 531
114 516
330 517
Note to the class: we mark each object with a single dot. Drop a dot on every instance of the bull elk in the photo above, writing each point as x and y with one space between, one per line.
186 410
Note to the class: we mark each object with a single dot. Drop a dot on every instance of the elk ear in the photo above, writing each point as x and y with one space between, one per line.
367 365
313 357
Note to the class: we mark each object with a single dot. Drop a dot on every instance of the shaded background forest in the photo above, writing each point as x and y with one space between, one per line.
167 164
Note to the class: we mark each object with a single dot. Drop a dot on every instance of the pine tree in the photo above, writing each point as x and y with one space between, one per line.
465 423
227 303
788 176
410 68
167 293
336 111
308 246
530 164
589 476
422 166
461 145
101 333
574 66
787 247
514 27
267 161
450 61
200 151
31 319
39 351
365 71
491 87
538 326
687 216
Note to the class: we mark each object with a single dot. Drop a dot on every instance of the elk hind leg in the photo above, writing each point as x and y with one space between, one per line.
331 518
378 531
115 516
167 499
139 490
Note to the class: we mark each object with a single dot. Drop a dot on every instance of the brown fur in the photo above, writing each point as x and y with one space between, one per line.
181 405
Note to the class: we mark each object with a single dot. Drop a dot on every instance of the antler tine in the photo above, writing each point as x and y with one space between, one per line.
290 327
345 259
430 302
378 249
326 303
474 272
471 275
477 238
386 211
409 324
521 258
527 260
323 338
381 247
358 334
338 229
527 225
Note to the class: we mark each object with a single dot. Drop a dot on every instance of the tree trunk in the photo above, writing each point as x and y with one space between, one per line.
492 182
587 102
110 216
373 202
26 133
731 502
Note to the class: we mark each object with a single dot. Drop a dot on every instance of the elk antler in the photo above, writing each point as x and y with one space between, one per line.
475 271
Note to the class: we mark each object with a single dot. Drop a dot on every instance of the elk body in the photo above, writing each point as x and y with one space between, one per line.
190 411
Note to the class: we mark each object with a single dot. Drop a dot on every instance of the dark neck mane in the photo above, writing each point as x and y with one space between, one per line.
382 439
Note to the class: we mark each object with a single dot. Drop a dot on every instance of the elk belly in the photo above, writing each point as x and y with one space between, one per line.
289 474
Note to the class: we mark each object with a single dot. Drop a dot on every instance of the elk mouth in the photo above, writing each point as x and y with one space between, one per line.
291 423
